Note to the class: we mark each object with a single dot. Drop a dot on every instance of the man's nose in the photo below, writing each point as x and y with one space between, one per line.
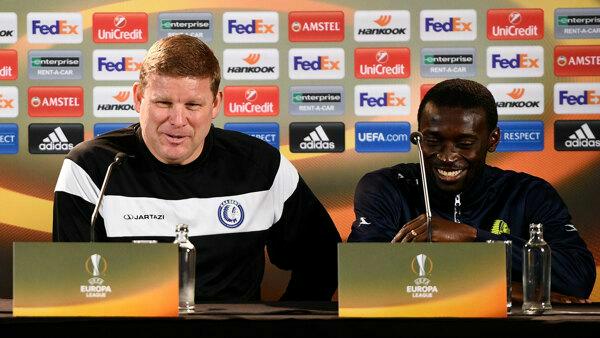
177 115
447 153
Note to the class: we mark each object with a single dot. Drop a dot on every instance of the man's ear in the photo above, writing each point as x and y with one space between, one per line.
138 94
493 140
216 104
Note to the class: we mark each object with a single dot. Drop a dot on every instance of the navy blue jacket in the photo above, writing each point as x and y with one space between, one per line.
500 205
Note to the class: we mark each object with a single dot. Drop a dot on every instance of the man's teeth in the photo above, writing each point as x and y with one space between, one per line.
449 173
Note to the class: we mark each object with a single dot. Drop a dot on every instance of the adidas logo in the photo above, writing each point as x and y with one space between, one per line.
582 137
56 140
317 139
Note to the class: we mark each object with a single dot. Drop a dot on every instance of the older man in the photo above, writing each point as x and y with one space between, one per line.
236 193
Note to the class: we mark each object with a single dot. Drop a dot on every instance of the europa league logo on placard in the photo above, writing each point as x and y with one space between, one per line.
422 266
96 265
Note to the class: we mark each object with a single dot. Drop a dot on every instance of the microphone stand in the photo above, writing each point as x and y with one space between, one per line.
416 138
119 159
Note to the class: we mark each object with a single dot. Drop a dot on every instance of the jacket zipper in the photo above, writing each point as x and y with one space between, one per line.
457 208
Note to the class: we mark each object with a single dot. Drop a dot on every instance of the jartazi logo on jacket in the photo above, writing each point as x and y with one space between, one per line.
137 217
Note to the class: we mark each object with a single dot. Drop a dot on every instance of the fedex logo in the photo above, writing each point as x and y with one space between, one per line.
577 98
515 61
245 27
309 63
443 25
320 63
9 101
117 64
519 61
381 100
388 99
126 64
54 27
455 24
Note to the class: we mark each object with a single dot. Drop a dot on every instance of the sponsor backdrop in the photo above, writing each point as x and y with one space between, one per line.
335 85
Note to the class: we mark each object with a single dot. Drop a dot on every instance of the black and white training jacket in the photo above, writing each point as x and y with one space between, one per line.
237 197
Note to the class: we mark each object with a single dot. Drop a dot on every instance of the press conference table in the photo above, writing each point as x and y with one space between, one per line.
306 320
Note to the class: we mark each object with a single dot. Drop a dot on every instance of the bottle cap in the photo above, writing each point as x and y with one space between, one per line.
181 227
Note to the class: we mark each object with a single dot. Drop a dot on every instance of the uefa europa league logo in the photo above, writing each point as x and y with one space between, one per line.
95 258
422 266
96 265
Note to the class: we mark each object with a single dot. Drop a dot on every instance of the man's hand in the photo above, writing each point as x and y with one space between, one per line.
443 230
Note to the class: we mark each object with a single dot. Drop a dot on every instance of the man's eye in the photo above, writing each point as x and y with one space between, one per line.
163 104
465 145
193 106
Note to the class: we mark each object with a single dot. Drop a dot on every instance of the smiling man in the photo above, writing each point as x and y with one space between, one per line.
236 193
470 200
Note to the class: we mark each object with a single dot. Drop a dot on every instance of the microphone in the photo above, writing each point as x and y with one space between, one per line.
119 159
416 138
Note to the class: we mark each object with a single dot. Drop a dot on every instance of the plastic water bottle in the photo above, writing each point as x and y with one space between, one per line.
187 269
536 272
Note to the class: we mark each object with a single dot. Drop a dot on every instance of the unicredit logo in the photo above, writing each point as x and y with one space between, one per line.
381 63
120 27
510 24
8 64
251 101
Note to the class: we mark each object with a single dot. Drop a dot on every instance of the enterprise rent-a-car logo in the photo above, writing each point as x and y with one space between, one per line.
55 65
198 25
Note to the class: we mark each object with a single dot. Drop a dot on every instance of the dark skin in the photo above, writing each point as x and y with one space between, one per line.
455 144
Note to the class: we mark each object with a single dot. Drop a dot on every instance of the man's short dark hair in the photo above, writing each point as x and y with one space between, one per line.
464 94
181 55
